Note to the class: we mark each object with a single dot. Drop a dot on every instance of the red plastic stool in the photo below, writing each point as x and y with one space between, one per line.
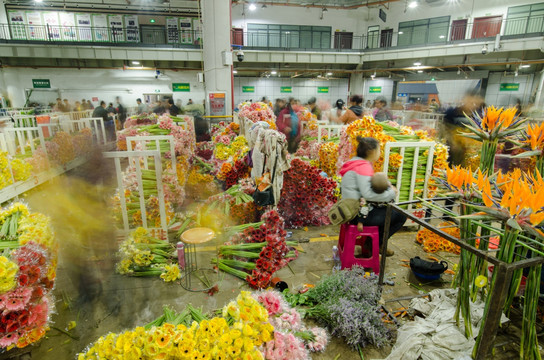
349 237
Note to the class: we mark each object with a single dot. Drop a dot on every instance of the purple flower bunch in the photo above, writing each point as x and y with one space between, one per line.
347 303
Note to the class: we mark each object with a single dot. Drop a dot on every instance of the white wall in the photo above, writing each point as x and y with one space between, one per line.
506 98
303 89
452 91
105 84
358 20
342 20
386 85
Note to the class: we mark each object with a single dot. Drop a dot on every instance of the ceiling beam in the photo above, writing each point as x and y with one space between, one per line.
336 7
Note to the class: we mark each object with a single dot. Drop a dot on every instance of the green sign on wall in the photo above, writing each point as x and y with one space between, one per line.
41 83
375 89
248 89
184 87
286 89
509 87
323 89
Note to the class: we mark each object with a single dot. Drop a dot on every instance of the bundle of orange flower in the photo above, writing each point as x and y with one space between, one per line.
433 242
365 127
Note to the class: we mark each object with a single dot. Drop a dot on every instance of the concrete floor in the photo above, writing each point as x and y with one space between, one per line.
89 292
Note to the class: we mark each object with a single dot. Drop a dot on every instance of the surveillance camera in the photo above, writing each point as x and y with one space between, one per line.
240 55
484 49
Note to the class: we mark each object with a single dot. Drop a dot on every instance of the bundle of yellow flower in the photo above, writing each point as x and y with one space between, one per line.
5 175
365 127
328 157
243 328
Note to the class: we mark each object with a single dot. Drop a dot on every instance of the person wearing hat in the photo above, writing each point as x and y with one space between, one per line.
380 113
313 108
337 112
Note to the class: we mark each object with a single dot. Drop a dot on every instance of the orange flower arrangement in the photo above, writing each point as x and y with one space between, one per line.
535 136
433 242
225 169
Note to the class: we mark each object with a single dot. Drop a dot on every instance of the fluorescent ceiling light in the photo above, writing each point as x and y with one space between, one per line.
420 71
273 72
252 7
441 36
234 72
135 63
525 66
417 63
412 4
38 1
400 33
329 74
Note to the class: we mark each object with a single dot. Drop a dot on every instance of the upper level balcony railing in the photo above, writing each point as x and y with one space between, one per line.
459 31
152 36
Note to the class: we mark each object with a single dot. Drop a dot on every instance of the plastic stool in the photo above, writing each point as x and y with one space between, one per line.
349 237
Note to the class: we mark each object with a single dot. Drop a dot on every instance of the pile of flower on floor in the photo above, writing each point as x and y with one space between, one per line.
256 325
28 266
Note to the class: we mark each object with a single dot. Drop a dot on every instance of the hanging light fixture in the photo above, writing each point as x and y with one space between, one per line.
412 4
252 7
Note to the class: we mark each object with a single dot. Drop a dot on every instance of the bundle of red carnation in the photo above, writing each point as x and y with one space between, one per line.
306 197
261 250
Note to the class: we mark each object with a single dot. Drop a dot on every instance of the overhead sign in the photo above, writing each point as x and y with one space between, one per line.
375 89
248 89
509 87
402 94
286 89
181 87
323 89
41 83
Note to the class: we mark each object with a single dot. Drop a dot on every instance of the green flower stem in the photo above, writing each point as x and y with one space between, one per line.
238 273
529 341
487 157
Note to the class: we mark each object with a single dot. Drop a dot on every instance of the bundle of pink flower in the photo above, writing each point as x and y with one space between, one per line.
292 339
24 310
256 111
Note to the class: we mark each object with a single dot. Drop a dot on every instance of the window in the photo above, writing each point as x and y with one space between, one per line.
525 19
373 37
289 36
426 31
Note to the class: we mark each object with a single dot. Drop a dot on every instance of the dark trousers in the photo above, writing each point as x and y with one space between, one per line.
377 218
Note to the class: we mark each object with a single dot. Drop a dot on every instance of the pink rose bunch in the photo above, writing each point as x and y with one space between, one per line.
257 111
290 320
223 139
272 301
308 149
285 347
321 339
292 336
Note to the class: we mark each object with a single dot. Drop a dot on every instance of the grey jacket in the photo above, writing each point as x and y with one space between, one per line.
356 174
